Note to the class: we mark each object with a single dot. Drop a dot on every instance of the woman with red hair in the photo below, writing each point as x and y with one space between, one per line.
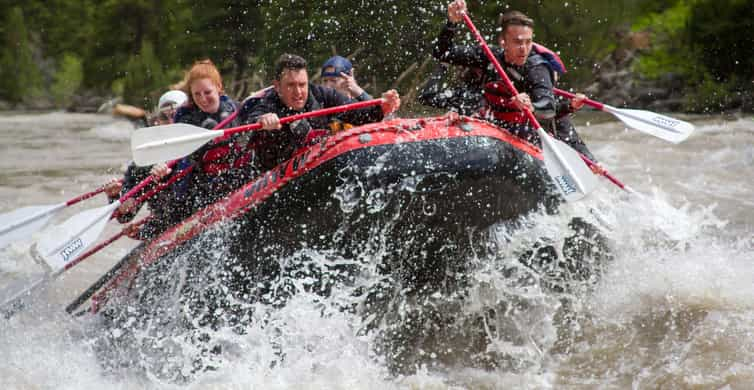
220 166
208 104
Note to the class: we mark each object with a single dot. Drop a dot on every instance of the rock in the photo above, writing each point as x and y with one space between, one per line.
87 102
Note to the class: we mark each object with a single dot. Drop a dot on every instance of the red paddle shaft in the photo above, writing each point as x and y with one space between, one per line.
512 88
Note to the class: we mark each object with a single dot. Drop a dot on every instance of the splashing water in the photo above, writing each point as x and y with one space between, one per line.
669 303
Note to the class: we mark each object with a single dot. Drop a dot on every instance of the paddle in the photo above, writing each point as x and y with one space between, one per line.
660 126
84 296
80 231
162 143
91 290
50 276
25 221
68 265
572 177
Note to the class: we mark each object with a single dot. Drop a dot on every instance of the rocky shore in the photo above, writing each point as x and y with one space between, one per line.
618 84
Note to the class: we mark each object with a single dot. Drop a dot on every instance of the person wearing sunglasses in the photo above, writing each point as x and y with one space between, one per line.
167 106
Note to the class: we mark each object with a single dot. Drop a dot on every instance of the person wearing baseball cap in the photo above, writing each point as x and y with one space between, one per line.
337 73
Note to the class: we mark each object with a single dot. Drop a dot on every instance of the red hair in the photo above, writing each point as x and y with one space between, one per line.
202 69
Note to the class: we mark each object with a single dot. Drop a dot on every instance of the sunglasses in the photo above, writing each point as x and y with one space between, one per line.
167 113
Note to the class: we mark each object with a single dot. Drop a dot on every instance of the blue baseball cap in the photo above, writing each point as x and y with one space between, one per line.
335 66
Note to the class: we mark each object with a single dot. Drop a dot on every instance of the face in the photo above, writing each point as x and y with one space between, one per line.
206 95
516 43
293 88
165 116
338 83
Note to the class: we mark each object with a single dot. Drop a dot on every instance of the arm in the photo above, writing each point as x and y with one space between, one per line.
364 96
133 176
539 87
262 111
432 93
332 98
446 51
354 89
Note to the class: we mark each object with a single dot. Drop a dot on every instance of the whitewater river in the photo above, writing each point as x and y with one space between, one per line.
674 309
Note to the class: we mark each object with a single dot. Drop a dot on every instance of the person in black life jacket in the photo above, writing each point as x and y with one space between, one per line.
293 94
529 71
219 166
337 73
167 106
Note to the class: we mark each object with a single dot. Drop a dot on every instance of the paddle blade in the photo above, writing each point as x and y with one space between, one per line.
151 145
566 168
660 126
68 240
24 222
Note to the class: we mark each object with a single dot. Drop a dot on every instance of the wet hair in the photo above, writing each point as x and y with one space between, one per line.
202 69
288 62
514 18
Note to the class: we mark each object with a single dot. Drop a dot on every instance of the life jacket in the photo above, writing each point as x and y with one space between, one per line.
499 104
553 59
498 98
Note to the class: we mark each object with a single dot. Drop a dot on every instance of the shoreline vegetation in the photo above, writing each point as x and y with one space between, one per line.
682 56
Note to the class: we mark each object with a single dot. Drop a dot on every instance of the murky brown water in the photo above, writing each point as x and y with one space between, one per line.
674 311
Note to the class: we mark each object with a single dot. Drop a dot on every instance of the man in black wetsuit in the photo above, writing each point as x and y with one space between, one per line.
293 94
530 72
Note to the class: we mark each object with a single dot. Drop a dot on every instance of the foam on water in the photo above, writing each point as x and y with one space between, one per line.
674 307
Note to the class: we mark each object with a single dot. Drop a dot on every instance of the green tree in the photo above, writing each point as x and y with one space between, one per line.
68 79
144 77
720 32
20 78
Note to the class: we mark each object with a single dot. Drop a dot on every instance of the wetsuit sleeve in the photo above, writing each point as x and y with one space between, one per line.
539 87
264 106
446 51
363 97
332 98
133 176
430 94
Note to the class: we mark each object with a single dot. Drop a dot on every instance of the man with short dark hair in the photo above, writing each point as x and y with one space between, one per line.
528 71
293 94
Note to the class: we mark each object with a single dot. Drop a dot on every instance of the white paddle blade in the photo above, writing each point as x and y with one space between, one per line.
151 145
24 222
68 240
566 168
660 126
